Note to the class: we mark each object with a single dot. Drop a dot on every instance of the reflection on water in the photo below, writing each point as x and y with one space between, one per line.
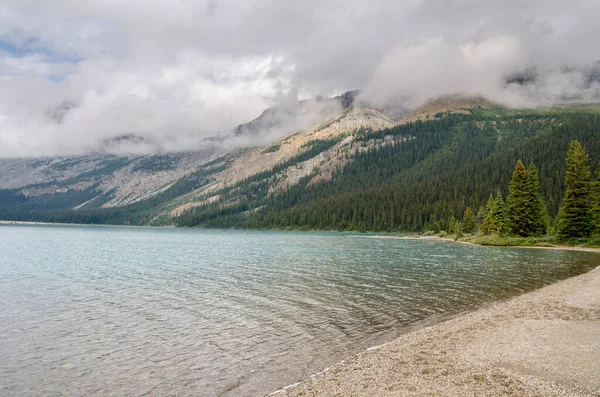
131 311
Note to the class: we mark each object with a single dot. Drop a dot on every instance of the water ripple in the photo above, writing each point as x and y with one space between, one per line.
139 311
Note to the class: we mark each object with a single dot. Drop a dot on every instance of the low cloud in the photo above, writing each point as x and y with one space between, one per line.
499 69
172 108
133 77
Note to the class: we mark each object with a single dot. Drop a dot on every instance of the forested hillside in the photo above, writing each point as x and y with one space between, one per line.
427 172
359 171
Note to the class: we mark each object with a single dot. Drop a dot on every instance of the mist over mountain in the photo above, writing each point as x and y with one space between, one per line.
75 76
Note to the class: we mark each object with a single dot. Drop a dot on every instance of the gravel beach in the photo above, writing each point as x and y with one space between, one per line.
544 343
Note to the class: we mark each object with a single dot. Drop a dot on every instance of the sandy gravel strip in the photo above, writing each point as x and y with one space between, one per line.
544 343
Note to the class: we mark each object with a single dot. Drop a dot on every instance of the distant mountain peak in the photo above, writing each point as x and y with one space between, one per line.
447 104
347 98
282 120
58 113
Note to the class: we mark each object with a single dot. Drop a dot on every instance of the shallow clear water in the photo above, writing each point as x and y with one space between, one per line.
135 311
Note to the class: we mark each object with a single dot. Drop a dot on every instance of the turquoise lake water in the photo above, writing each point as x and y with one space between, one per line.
140 311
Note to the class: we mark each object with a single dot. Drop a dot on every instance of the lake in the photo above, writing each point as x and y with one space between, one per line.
149 311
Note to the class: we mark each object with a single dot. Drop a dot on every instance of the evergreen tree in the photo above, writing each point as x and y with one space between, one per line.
596 201
451 226
487 220
479 220
540 224
459 230
500 213
518 205
468 223
526 210
495 215
575 217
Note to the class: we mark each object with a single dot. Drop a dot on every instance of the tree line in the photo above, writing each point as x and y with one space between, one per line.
524 212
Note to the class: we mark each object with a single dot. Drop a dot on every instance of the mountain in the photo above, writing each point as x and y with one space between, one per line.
39 188
350 168
109 179
122 180
408 176
295 115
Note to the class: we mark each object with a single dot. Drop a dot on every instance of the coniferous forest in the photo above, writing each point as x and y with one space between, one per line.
439 172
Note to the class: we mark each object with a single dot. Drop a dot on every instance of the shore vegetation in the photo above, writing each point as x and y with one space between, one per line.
522 219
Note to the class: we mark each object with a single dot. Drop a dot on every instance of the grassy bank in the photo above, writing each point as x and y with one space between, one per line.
546 241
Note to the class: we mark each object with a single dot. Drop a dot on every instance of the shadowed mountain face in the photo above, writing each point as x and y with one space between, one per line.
96 180
347 98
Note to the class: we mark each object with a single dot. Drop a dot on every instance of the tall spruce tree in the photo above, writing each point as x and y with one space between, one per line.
518 202
479 220
500 211
596 201
494 221
526 211
468 222
487 220
451 225
540 224
575 217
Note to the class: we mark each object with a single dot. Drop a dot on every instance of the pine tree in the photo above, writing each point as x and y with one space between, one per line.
479 220
451 226
575 217
494 221
596 201
519 214
459 229
487 220
468 223
500 213
540 224
526 209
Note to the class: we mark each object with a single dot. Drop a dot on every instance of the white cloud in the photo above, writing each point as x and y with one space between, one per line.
175 105
435 68
75 74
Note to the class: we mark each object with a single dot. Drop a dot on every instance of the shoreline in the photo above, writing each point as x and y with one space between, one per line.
545 342
358 235
34 223
449 240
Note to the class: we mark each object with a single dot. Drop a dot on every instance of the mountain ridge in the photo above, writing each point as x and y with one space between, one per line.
244 187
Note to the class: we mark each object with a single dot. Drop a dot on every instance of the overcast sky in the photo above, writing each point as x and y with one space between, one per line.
74 73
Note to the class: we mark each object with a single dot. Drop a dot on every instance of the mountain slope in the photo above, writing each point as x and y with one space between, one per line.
358 170
284 163
55 188
115 181
416 174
